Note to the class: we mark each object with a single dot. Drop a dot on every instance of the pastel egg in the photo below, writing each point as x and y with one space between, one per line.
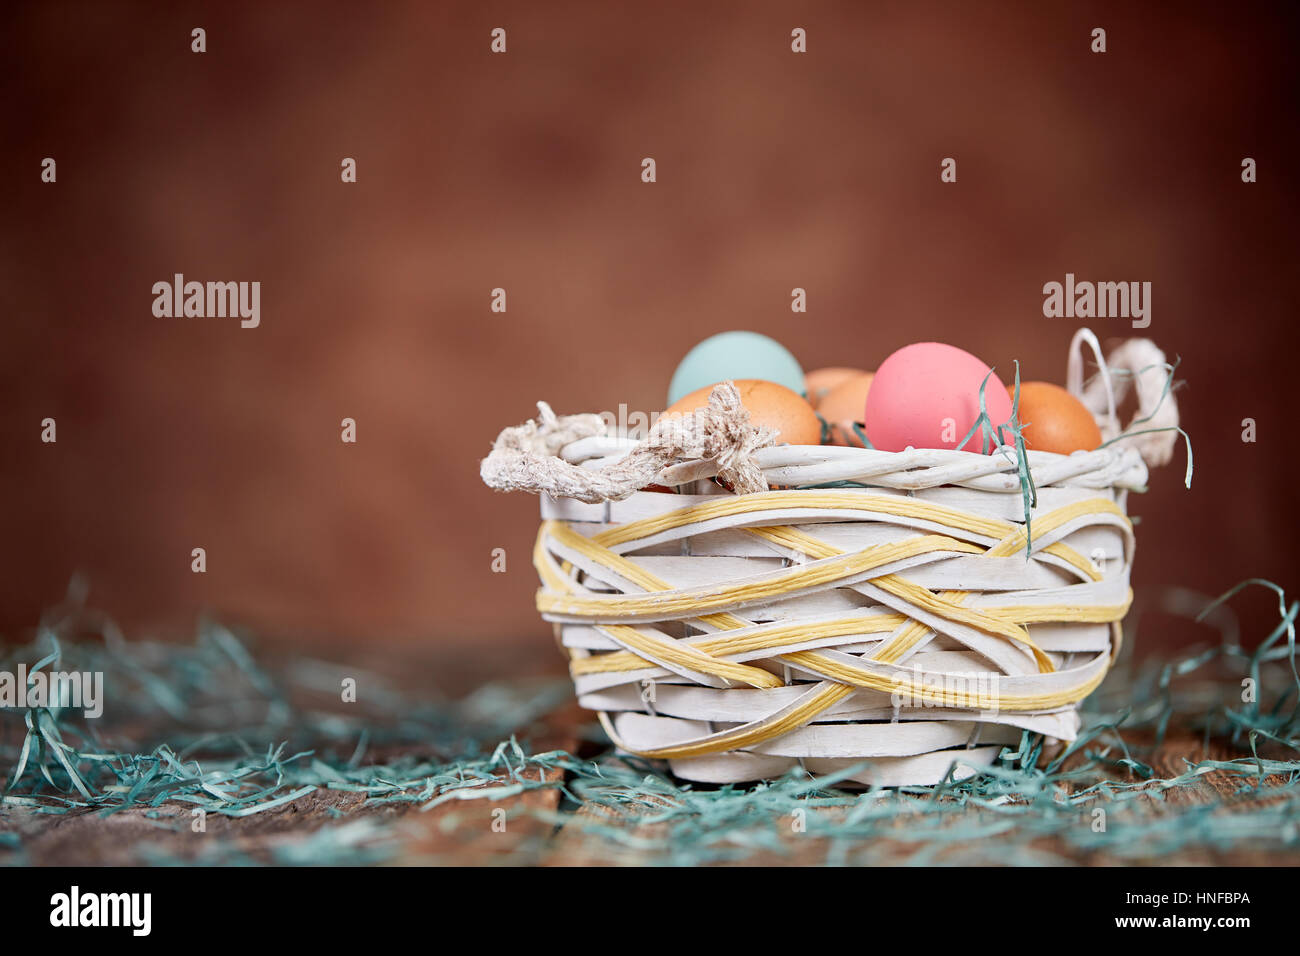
1054 420
844 405
927 395
770 405
735 355
819 383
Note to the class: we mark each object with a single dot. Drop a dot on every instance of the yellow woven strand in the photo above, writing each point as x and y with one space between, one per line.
669 650
1063 613
832 695
770 638
893 650
805 713
918 691
908 637
937 604
684 655
793 579
727 506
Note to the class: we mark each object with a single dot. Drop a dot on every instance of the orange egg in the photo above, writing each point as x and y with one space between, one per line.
1054 420
844 405
818 384
770 405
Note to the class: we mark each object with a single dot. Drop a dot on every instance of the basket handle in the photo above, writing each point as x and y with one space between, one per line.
525 458
1142 366
1074 378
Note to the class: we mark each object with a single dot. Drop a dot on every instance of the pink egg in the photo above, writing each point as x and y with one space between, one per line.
927 395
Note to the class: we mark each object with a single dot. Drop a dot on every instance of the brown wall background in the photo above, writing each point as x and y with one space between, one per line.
522 171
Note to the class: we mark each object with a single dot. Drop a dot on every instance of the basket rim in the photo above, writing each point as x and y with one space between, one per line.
582 449
801 466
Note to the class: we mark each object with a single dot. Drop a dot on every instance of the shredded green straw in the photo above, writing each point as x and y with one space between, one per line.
205 726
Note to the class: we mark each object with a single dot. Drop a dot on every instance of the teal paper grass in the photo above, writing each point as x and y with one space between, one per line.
205 726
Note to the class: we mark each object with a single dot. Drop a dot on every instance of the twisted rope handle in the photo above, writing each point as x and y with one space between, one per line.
525 458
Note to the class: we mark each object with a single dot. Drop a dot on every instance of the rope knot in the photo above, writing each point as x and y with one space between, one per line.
526 457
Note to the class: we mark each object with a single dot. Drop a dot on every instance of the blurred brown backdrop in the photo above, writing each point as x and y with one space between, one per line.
522 171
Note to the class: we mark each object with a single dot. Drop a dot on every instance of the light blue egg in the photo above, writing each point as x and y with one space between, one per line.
733 355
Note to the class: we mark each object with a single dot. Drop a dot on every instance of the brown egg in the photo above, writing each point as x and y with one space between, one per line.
769 404
1054 420
817 384
845 405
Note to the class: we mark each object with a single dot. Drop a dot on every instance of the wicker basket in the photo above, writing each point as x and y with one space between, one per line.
901 624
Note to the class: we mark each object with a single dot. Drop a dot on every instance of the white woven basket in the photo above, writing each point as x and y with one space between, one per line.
901 624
